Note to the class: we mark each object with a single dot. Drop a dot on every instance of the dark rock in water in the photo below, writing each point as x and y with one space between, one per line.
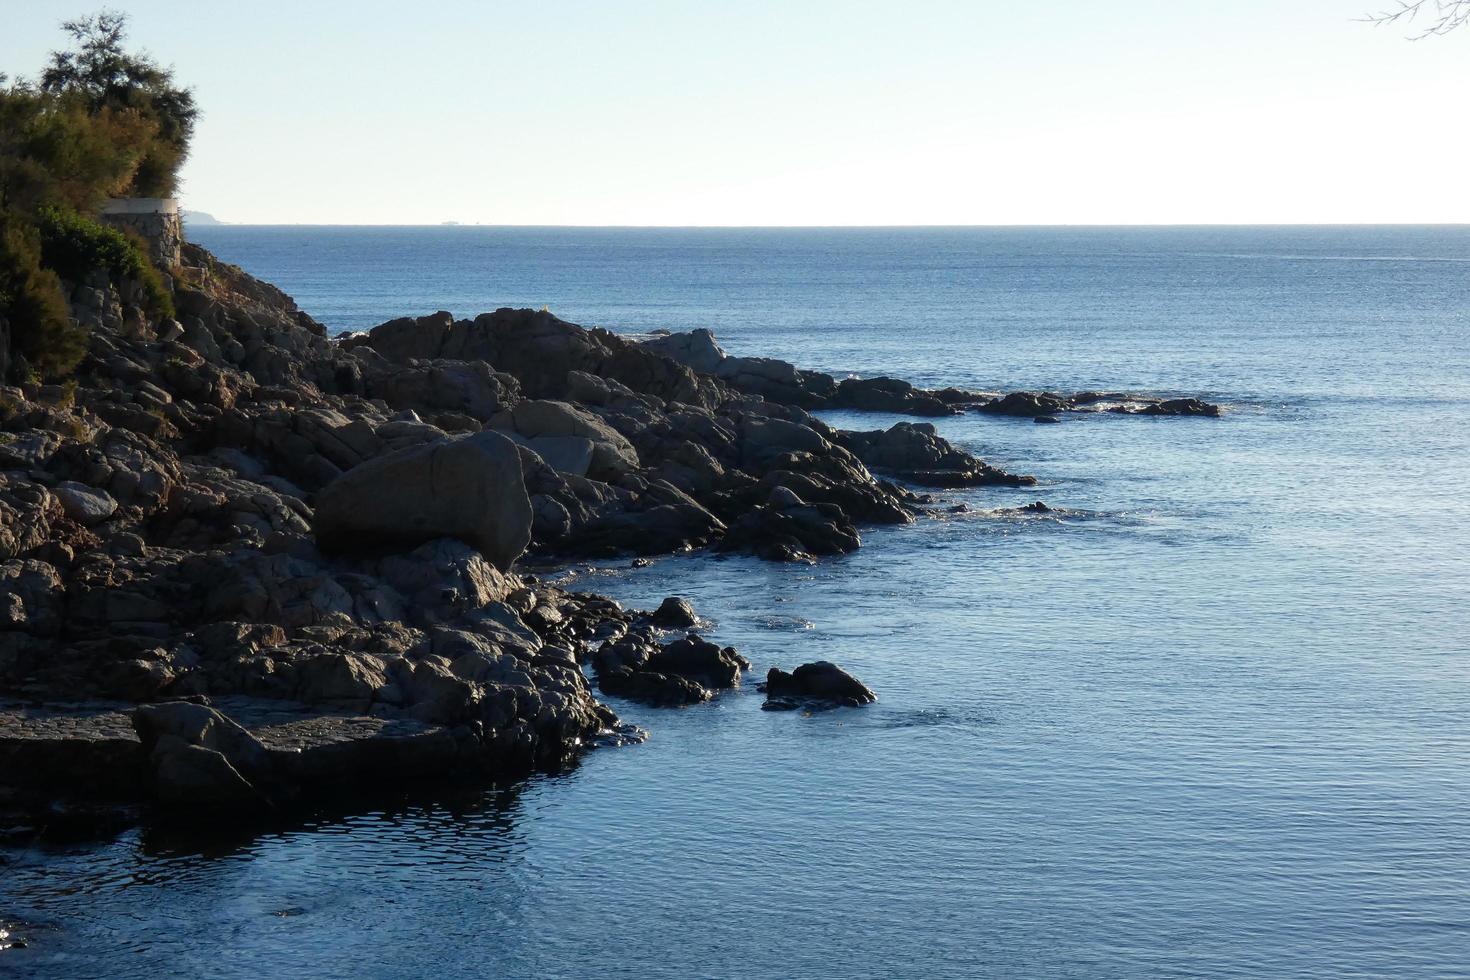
914 451
652 688
1046 420
674 612
1036 507
815 682
1026 403
1181 406
617 736
1044 406
686 671
700 661
888 395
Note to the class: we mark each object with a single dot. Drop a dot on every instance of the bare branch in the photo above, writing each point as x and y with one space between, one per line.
1440 16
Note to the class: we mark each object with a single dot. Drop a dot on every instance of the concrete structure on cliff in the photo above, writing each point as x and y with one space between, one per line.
156 219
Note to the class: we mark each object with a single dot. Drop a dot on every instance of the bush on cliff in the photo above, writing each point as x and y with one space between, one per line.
41 328
75 246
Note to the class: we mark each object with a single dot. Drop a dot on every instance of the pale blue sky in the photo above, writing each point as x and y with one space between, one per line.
792 113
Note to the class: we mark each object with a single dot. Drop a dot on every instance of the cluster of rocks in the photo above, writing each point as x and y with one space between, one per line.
1045 406
231 519
241 559
782 382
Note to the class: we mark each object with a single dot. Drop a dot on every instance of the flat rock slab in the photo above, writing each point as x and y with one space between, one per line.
86 750
90 750
312 746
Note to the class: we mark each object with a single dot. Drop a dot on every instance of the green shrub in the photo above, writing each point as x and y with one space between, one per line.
75 247
41 328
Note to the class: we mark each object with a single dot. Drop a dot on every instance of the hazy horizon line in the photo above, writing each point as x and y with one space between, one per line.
853 227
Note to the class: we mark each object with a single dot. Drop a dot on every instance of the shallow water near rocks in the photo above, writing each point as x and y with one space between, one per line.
1208 719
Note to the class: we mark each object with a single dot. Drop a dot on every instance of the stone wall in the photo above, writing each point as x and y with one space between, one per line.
156 219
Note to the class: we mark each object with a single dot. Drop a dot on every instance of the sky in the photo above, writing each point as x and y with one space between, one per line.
803 112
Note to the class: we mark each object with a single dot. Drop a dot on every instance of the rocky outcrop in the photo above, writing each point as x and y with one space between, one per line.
635 666
539 350
916 453
470 488
293 561
1045 405
783 383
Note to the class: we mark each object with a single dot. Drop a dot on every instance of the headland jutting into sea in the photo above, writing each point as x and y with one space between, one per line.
247 564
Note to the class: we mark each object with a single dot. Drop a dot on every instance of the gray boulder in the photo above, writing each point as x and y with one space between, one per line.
565 454
612 454
696 349
469 488
83 504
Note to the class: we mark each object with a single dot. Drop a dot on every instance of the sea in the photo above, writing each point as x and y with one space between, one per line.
1208 718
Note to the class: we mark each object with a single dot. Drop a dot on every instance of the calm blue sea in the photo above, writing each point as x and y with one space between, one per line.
1214 720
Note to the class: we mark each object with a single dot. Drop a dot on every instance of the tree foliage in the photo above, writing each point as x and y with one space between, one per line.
100 122
110 80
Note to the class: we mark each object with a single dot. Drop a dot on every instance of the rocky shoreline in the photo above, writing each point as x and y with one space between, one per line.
245 563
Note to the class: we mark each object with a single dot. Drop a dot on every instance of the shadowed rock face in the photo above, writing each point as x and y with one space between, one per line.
469 488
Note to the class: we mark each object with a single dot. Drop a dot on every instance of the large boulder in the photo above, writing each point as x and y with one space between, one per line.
543 419
200 758
83 504
696 349
469 488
